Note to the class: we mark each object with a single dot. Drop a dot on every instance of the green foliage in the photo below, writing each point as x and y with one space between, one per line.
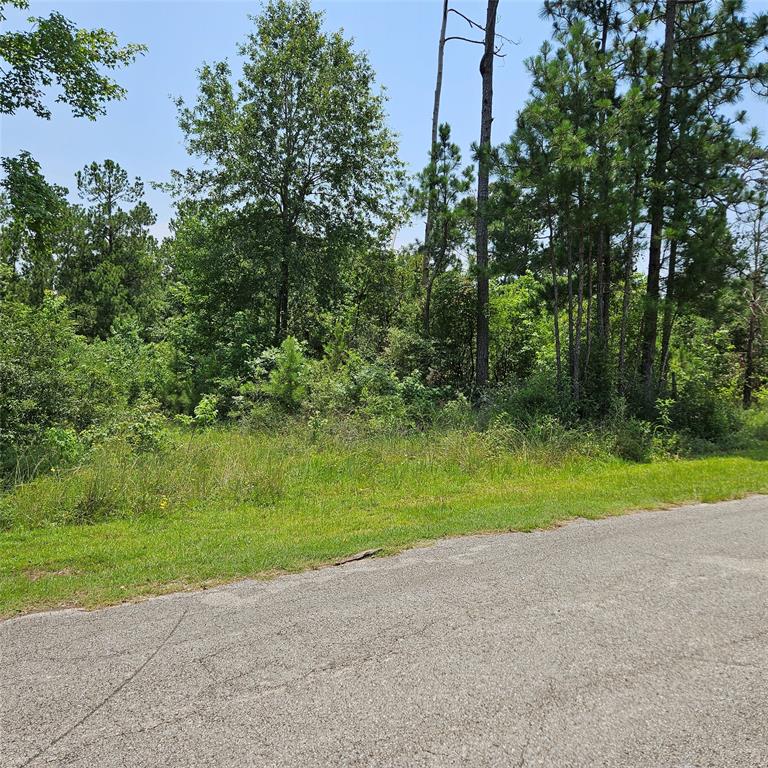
33 227
55 52
286 382
703 413
206 411
299 154
633 440
111 272
41 367
517 331
279 291
53 383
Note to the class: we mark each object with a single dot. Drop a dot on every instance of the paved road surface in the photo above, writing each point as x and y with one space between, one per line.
637 641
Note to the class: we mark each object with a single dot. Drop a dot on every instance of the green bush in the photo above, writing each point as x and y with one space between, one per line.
286 382
633 440
702 412
456 413
755 424
206 412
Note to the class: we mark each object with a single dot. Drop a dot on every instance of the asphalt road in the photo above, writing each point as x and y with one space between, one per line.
636 641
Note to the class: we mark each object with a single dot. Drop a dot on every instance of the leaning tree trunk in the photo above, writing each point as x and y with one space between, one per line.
483 173
656 212
426 253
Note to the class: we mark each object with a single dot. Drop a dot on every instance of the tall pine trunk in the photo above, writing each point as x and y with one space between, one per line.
656 212
555 306
579 322
483 173
426 254
749 358
571 334
669 315
753 327
629 268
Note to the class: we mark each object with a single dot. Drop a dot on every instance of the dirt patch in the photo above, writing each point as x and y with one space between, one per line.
35 574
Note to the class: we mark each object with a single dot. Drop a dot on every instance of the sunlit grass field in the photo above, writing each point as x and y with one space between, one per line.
222 504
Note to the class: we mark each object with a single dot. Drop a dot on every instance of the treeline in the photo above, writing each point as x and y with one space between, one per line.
623 268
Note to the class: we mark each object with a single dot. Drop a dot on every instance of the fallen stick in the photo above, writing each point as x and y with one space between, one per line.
359 556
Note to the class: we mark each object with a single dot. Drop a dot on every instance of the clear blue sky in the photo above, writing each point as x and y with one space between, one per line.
400 37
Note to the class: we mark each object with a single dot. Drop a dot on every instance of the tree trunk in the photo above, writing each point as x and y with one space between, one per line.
603 233
571 334
281 309
483 173
555 306
753 329
656 212
669 315
579 323
590 291
629 268
749 359
428 302
426 254
281 314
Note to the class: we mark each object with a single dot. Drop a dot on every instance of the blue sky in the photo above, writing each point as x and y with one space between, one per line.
400 37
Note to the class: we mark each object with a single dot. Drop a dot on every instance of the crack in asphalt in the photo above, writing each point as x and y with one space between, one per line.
109 696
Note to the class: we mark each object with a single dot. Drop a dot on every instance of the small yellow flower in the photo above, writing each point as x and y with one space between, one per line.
163 502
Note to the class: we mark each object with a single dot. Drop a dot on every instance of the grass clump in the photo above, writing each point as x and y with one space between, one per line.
117 481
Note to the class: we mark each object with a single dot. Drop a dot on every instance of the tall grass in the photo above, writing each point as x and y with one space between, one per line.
116 482
220 503
263 469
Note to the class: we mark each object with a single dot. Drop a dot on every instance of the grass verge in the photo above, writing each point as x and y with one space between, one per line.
224 505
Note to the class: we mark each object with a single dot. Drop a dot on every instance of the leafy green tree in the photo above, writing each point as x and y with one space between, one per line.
220 291
54 52
34 219
299 146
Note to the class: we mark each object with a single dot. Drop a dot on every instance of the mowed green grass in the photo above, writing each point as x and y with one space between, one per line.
224 505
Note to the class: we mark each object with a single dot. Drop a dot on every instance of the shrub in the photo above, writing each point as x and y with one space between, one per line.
286 382
206 412
756 424
702 412
259 415
145 428
633 440
407 352
457 413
